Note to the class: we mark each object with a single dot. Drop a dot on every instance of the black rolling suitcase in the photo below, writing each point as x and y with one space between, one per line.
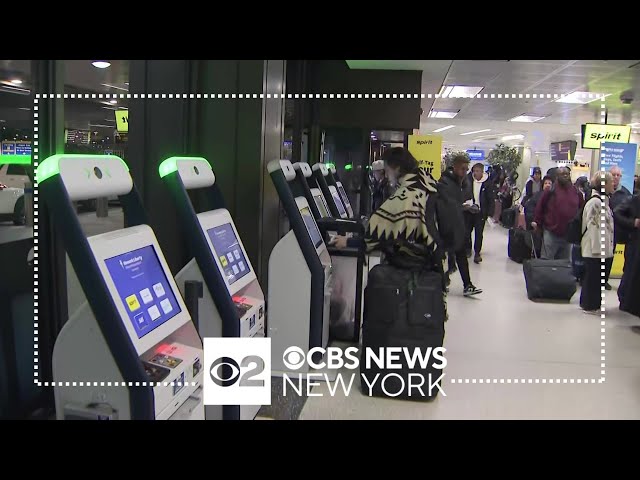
518 248
523 245
403 308
549 279
508 217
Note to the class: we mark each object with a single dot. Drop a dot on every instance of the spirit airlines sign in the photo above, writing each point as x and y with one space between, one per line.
593 134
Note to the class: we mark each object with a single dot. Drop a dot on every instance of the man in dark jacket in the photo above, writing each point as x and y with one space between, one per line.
381 189
628 216
450 187
554 211
620 193
479 204
619 196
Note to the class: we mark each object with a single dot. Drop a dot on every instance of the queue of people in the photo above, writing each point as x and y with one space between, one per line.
465 200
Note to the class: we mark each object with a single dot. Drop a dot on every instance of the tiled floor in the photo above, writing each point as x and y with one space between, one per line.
502 335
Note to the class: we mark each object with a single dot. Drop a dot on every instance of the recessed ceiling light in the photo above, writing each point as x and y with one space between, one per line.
443 128
16 81
101 64
512 137
443 113
527 118
581 97
113 102
476 131
459 91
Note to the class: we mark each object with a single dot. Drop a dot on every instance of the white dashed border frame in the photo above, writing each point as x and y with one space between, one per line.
345 96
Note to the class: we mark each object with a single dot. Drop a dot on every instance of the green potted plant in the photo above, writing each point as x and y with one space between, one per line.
506 157
447 159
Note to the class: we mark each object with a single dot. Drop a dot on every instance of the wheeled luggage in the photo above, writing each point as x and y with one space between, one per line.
549 279
518 248
577 262
508 218
403 308
523 245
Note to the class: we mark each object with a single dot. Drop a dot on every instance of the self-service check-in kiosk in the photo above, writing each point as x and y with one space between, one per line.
348 263
334 179
131 351
232 303
330 192
300 277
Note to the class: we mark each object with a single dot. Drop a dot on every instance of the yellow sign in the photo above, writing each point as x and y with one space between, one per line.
428 151
596 133
618 262
133 303
122 121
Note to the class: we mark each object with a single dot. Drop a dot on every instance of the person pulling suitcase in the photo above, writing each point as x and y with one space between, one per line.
405 297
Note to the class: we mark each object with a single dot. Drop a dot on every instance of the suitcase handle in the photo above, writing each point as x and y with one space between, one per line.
533 245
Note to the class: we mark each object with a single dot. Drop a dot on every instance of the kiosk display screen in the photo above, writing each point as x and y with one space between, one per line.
343 194
227 248
310 223
321 207
143 288
338 202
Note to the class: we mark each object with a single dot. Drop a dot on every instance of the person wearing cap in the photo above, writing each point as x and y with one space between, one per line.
381 188
533 185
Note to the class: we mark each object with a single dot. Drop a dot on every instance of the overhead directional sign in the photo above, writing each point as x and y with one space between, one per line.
122 121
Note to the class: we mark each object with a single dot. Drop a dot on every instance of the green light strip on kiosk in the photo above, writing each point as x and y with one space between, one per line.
15 159
170 165
50 166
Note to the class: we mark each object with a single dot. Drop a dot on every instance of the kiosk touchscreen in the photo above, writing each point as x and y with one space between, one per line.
336 198
320 202
131 350
234 266
345 199
334 179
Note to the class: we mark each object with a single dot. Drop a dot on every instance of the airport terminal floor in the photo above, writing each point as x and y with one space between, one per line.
501 335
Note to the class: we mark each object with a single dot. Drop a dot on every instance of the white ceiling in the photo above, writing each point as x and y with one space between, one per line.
520 77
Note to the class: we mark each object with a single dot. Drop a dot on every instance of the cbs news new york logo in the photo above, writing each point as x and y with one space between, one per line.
238 371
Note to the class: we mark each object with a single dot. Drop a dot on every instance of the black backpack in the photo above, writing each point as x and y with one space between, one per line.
575 232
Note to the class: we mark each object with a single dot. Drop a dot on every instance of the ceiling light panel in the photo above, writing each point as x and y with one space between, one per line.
443 113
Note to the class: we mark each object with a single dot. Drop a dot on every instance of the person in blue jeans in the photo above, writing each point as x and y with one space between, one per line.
556 208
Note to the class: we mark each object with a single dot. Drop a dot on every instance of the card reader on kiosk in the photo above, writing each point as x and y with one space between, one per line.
232 303
131 351
300 278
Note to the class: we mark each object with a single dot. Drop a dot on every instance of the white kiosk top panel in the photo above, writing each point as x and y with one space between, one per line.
141 284
227 248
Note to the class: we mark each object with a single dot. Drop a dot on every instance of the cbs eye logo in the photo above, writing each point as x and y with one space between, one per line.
293 358
226 372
